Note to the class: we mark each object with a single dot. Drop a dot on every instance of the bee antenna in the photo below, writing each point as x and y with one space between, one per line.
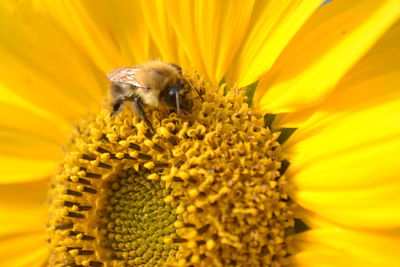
177 102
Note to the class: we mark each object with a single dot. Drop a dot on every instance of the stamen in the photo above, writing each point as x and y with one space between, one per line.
144 156
73 193
89 190
83 181
84 208
75 215
103 165
92 175
134 146
85 252
64 226
95 263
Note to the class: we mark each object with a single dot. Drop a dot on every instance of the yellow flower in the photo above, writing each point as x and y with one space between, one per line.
331 72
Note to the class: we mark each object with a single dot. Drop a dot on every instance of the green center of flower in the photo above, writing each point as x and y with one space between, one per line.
204 189
138 220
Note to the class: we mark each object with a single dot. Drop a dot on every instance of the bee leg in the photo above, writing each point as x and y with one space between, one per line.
137 105
116 107
191 86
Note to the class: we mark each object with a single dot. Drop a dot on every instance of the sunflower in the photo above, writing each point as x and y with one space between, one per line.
291 157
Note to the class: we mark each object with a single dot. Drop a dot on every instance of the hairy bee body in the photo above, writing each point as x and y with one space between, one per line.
151 83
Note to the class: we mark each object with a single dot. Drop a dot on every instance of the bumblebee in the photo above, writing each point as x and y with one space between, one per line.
152 83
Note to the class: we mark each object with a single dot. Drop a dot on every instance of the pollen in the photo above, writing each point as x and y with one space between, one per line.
204 188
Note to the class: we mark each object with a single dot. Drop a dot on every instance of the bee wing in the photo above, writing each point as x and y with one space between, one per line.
124 75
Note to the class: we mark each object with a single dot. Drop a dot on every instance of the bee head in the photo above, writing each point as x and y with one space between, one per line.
172 97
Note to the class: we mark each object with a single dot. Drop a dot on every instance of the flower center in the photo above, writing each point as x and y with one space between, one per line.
204 189
138 220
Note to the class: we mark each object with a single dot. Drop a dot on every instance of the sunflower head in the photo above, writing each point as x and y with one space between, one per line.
204 188
211 185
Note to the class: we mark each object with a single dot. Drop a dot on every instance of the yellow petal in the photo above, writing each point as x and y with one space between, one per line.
373 208
129 30
23 250
345 164
272 26
345 154
313 220
344 247
17 107
42 65
25 133
210 32
88 23
328 45
20 169
347 132
30 139
22 223
22 207
161 30
372 80
348 139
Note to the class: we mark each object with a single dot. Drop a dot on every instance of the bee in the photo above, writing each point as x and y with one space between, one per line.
152 83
